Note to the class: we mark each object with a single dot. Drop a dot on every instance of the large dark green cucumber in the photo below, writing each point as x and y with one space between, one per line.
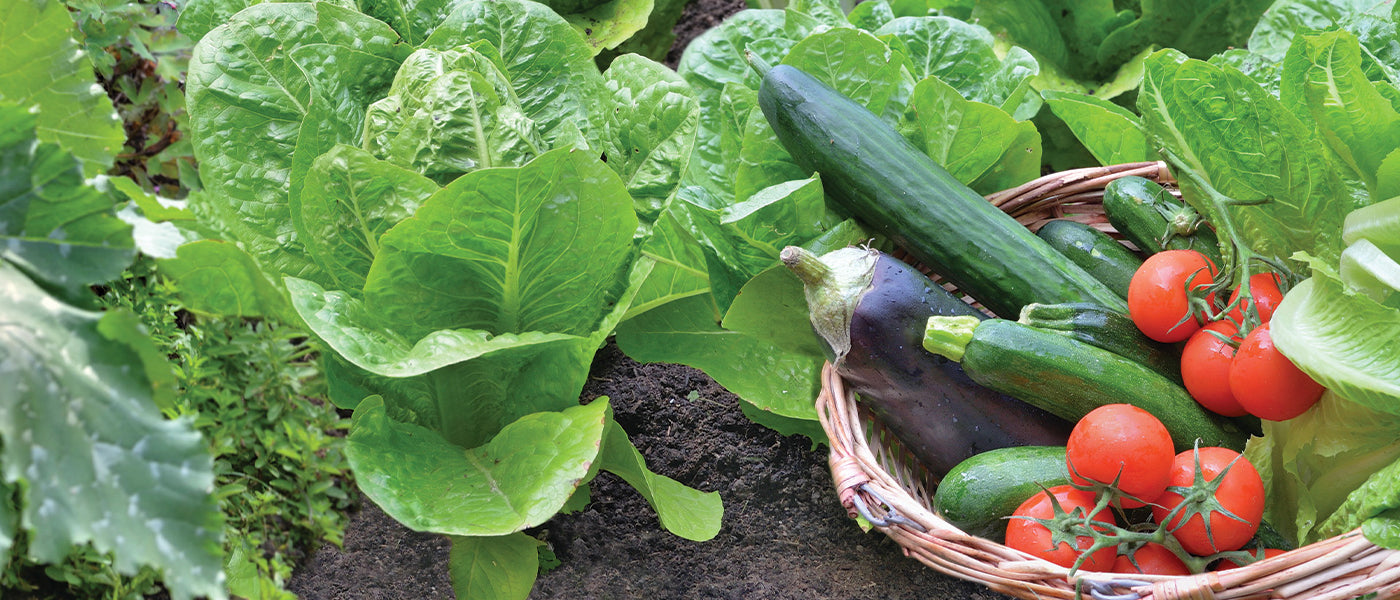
1103 328
1070 378
981 492
872 173
1154 220
1094 251
871 309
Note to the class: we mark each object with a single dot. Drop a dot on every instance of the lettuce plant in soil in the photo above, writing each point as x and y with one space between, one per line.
457 214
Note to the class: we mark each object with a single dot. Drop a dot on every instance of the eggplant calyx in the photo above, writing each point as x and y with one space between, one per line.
833 283
949 336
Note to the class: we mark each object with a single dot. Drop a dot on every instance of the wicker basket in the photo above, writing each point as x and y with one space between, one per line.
874 478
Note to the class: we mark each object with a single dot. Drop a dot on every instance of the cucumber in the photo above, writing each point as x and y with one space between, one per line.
1103 328
872 173
1094 251
981 492
871 310
1070 378
1154 220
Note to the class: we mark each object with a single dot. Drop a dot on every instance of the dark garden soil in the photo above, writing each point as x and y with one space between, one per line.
784 534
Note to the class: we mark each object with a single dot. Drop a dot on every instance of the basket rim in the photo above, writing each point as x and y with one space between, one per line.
873 481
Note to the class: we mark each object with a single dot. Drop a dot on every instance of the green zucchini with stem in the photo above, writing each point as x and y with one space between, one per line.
1154 220
1069 378
872 173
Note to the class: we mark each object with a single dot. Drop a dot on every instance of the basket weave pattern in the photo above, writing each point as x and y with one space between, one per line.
876 479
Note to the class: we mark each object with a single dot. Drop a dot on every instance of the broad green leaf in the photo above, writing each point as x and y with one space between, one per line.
413 398
518 479
345 325
650 133
1388 177
767 376
1265 72
1209 26
712 174
852 61
92 456
256 85
1223 128
963 55
49 69
502 567
154 207
686 512
1342 339
609 24
1383 529
1322 73
351 198
772 308
871 14
448 113
716 57
1061 33
741 240
547 61
61 231
199 17
543 247
413 19
218 278
971 139
725 84
829 13
9 521
1112 133
1380 493
1275 30
679 269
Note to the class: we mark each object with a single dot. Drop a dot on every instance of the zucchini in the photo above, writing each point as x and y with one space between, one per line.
1094 251
1154 220
1103 328
981 492
1070 378
871 309
872 173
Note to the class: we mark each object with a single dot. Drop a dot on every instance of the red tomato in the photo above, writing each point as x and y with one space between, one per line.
1241 492
1033 538
1205 368
1226 564
1124 443
1152 559
1157 300
1264 292
1266 383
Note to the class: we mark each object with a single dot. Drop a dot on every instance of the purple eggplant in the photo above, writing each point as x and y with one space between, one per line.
872 310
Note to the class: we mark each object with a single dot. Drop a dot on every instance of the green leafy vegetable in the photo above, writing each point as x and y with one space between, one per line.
62 232
1112 133
48 68
501 566
83 418
218 278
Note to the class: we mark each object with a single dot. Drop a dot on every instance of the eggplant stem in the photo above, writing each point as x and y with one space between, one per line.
807 266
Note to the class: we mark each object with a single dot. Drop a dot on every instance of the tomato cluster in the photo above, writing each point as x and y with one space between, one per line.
1226 372
1208 500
